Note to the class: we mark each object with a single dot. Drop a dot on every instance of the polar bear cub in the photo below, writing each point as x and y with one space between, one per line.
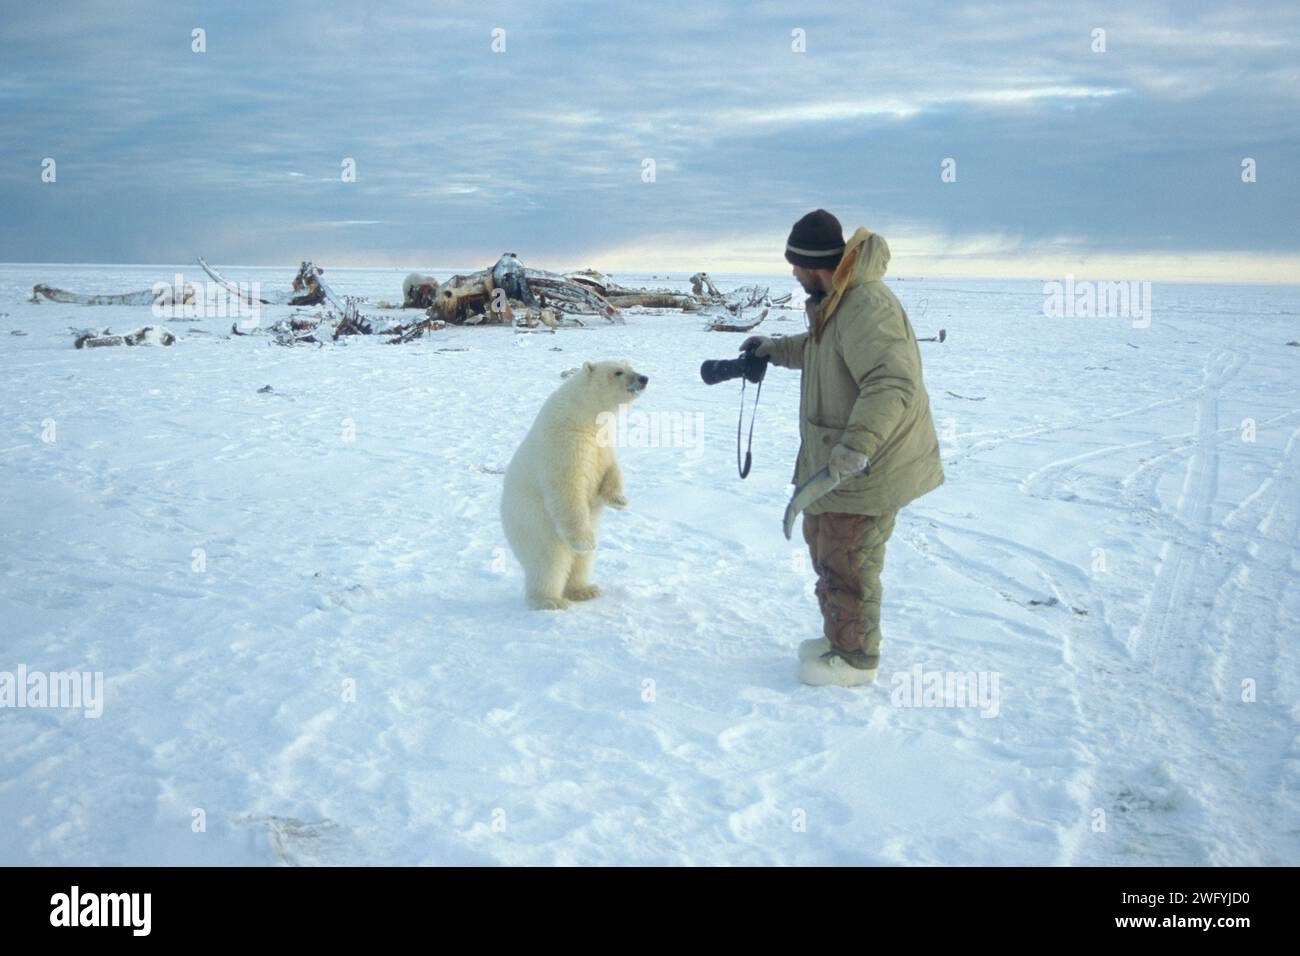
560 478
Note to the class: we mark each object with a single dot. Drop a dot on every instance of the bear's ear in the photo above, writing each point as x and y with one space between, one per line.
588 367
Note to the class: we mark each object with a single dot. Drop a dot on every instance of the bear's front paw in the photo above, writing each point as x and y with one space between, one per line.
583 542
549 603
615 501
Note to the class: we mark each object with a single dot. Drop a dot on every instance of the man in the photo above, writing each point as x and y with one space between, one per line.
864 412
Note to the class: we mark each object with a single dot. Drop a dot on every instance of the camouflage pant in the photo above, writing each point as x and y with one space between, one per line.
848 554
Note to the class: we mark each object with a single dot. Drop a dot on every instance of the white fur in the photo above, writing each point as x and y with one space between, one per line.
414 280
559 480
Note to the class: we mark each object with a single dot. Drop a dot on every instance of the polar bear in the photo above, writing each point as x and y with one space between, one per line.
560 478
418 291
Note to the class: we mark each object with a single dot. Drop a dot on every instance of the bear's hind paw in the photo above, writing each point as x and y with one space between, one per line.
617 502
549 603
584 593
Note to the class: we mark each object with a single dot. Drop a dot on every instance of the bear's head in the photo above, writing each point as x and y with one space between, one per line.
610 384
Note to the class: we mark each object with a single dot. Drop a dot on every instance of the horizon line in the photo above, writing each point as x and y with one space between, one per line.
918 277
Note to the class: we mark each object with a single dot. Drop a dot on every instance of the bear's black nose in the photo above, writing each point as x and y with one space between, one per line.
642 379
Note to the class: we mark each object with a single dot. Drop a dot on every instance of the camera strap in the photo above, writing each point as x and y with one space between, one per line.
749 458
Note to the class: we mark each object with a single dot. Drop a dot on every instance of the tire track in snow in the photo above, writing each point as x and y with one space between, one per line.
1040 430
1178 749
1139 488
1116 713
1247 734
1168 644
1180 558
1242 752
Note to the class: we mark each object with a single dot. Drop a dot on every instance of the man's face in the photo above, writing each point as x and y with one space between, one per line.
813 280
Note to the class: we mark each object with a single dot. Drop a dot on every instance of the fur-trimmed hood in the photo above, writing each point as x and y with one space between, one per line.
865 259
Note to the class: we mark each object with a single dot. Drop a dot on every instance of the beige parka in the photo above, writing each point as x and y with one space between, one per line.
862 385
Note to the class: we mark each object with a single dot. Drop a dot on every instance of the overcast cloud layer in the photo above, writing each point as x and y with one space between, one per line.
1127 161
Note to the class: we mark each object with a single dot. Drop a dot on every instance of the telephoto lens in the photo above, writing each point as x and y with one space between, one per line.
749 365
721 370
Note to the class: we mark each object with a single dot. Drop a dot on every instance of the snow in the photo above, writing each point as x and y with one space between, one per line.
662 723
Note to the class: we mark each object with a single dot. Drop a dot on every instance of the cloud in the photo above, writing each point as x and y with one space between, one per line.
541 148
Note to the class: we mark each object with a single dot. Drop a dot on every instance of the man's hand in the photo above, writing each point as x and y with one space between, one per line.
846 462
760 344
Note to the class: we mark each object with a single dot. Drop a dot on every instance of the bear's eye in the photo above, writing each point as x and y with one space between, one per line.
616 374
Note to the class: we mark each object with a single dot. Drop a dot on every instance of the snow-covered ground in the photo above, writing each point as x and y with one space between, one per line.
345 672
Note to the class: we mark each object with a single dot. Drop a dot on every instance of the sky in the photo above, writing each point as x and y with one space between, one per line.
488 127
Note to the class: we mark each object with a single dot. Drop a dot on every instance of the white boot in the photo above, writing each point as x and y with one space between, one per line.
830 669
814 648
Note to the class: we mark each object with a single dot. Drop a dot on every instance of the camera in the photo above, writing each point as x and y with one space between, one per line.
748 365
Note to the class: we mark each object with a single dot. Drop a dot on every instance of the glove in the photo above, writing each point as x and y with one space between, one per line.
846 462
761 345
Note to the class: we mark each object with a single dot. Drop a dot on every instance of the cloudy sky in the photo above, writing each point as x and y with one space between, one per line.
1122 163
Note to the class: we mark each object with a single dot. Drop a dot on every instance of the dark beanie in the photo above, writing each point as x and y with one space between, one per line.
816 241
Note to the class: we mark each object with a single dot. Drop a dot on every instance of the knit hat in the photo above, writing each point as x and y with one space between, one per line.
816 241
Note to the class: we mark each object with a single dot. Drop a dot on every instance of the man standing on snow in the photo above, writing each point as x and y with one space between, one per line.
864 412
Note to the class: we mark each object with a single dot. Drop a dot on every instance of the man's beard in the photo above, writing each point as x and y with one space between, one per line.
815 290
